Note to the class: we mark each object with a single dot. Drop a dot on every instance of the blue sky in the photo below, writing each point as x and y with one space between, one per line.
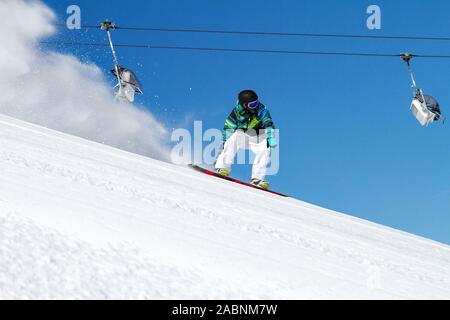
347 139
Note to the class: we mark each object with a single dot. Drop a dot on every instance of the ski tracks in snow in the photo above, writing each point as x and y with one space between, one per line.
188 231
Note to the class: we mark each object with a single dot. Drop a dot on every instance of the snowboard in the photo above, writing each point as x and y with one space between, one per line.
215 174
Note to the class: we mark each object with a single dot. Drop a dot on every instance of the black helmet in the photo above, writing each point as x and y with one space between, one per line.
247 96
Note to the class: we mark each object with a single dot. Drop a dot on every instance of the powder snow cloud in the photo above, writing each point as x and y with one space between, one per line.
60 92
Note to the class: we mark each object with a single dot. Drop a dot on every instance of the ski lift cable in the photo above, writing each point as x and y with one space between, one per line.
218 49
422 112
262 33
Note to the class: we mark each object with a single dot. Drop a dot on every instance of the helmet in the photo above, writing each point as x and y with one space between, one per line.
247 96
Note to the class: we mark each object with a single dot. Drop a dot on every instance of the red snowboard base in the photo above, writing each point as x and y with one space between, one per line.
215 174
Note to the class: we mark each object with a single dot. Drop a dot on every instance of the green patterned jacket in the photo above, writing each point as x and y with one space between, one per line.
240 118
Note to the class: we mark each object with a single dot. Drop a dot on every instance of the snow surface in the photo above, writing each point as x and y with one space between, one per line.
80 219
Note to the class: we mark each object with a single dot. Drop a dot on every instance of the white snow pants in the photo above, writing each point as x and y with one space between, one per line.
240 140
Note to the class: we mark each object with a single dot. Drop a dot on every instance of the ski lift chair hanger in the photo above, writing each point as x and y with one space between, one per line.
127 82
419 106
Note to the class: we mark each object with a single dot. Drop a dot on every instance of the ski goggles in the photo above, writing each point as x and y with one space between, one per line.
253 105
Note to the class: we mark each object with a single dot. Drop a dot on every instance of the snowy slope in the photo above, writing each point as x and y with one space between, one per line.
83 220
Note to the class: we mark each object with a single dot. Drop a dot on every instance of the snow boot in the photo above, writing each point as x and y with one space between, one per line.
223 172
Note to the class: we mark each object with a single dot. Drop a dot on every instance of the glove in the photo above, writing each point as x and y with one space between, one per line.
272 142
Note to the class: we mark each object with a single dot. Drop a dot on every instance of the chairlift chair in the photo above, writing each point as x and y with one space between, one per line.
423 107
127 82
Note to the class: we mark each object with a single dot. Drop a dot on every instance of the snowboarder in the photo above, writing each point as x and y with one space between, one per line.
249 126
